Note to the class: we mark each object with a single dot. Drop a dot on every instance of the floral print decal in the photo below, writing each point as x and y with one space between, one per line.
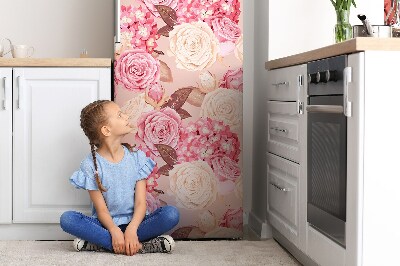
178 75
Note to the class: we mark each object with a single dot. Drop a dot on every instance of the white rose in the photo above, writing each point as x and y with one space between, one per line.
224 105
194 45
194 184
239 48
134 108
207 221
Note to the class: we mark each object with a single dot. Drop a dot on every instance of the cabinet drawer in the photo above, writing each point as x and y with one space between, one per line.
283 83
283 130
282 207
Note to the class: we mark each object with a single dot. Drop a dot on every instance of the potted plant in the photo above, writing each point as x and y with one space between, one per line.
343 29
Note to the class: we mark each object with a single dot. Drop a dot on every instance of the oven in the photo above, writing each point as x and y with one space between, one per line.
327 148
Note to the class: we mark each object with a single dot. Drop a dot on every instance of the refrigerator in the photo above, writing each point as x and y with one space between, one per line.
178 75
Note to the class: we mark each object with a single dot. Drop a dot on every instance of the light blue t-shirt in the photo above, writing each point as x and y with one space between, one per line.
118 178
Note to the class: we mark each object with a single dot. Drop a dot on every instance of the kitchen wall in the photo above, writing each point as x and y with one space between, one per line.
60 28
302 25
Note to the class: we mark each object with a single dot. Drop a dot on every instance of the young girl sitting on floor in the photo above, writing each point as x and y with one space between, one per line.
115 176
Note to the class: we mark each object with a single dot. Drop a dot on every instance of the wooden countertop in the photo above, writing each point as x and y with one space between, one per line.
55 62
348 47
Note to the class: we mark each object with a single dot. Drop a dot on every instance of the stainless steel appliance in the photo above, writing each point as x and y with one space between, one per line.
327 147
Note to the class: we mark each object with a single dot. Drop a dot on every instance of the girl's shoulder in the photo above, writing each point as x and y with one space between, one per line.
138 156
87 162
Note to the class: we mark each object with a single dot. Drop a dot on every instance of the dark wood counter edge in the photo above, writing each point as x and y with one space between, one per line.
347 47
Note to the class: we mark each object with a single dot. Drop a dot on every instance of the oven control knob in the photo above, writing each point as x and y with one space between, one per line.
314 78
324 76
333 76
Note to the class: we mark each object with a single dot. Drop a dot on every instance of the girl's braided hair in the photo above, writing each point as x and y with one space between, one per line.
93 117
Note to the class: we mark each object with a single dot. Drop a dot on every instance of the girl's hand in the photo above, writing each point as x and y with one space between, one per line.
118 241
132 244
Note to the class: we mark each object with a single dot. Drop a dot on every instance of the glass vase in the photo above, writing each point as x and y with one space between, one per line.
343 30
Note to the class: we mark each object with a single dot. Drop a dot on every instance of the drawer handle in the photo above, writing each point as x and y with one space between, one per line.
20 89
5 93
284 83
280 129
279 187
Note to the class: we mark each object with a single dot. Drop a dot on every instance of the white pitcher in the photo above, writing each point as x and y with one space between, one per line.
2 46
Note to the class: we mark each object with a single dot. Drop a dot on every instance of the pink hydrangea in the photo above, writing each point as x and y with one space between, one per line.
150 4
159 127
207 10
151 180
136 69
139 26
233 218
233 79
206 139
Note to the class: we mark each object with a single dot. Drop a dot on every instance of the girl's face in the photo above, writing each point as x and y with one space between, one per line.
118 122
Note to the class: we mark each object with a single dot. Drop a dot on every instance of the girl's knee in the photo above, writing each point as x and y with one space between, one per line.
67 218
172 214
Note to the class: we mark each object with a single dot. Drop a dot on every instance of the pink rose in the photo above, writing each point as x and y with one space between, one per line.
153 203
233 218
233 79
136 69
150 4
159 127
155 92
226 30
225 168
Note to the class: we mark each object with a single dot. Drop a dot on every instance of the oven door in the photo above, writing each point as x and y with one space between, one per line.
326 166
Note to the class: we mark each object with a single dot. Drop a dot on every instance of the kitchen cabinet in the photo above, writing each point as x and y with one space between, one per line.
42 144
285 121
371 109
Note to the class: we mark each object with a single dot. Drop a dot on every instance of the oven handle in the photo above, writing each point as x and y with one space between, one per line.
335 109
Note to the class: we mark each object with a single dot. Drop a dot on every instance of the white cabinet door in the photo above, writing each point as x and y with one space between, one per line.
48 141
5 146
283 196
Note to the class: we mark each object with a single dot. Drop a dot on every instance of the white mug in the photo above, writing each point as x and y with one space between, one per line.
2 47
21 50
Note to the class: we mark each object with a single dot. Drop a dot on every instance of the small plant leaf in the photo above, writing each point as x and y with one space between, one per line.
183 113
196 97
178 98
164 170
167 14
158 52
166 74
164 31
167 153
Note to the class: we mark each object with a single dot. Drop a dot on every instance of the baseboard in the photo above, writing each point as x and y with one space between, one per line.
292 249
262 229
33 232
245 218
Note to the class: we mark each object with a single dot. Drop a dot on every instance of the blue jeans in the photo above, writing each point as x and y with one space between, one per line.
90 229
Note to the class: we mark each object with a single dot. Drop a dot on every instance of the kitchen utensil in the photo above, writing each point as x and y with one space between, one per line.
22 50
2 46
368 30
